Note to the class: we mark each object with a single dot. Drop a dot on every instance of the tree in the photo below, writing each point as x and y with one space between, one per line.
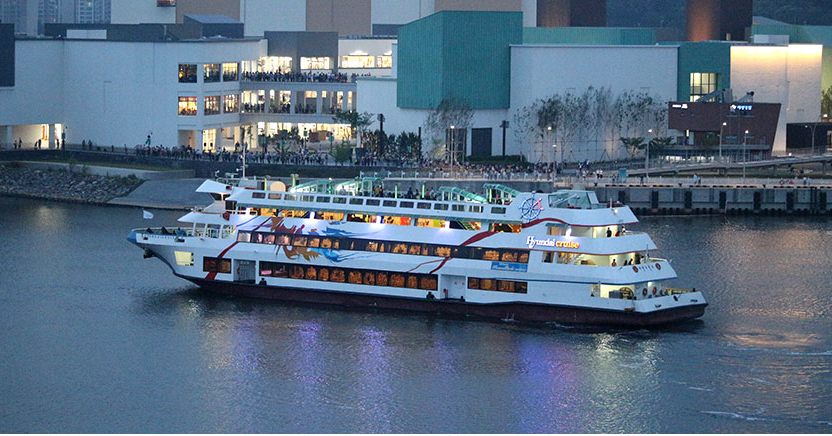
371 141
633 144
450 112
358 122
408 145
826 103
342 153
659 143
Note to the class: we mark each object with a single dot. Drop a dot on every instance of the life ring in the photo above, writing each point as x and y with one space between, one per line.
644 292
658 266
226 216
635 268
654 290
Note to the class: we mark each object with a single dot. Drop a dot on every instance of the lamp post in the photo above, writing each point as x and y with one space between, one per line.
647 157
724 124
815 126
744 154
453 146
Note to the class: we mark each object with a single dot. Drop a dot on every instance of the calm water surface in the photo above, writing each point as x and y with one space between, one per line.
95 339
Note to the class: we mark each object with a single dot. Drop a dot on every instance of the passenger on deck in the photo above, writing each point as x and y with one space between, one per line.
609 232
613 263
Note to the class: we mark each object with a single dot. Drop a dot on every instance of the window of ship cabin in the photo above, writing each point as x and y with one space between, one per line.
243 236
213 264
184 258
582 232
307 198
314 242
458 207
290 197
475 209
213 231
332 216
389 203
356 201
299 241
268 238
258 195
422 205
373 202
498 210
548 256
406 204
506 227
257 238
339 200
430 222
557 229
283 239
322 200
440 206
566 258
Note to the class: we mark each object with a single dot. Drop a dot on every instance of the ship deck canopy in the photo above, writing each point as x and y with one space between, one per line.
358 186
496 191
456 194
323 186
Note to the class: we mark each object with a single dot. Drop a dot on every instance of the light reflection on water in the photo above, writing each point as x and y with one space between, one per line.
94 339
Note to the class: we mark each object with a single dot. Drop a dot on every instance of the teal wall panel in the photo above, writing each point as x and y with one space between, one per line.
457 54
589 35
703 57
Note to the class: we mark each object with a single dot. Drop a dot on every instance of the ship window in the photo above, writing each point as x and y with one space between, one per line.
275 196
458 207
323 274
412 281
283 240
372 202
423 205
416 249
473 283
356 201
498 210
508 256
184 258
381 279
406 204
339 200
290 197
268 238
389 203
337 275
306 198
299 241
314 242
440 206
323 200
372 246
243 236
399 248
475 209
258 195
213 264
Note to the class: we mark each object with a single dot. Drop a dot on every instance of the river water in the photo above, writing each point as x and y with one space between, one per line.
95 339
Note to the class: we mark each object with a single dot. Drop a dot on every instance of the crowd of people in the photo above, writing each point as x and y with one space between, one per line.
279 76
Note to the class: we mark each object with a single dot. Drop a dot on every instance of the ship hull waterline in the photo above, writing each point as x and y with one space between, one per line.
518 312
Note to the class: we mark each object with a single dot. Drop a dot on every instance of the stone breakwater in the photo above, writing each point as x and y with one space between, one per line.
63 185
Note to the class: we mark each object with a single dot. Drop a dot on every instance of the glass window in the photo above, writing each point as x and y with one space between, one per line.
187 106
314 63
187 73
212 73
165 3
384 62
231 103
358 61
229 72
212 105
702 84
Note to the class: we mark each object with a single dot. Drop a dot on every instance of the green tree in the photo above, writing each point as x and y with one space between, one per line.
449 112
358 122
633 144
826 103
342 153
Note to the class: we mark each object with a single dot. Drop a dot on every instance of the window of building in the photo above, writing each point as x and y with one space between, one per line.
229 72
187 106
212 73
358 61
702 84
384 62
212 105
187 73
314 63
231 103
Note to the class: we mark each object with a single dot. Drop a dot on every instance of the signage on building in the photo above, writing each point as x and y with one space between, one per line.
741 107
533 242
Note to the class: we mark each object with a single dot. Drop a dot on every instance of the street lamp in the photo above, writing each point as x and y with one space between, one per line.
647 157
724 124
453 146
744 154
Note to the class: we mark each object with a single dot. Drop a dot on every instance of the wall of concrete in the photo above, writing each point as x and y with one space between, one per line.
273 15
140 11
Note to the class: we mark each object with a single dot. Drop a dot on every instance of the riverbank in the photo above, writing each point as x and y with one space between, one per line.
19 181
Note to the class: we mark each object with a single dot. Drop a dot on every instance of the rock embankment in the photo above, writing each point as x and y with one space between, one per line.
63 185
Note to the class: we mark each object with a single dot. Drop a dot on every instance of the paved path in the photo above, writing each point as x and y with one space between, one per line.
165 194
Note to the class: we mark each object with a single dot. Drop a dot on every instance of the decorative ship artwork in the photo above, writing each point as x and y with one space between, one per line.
561 257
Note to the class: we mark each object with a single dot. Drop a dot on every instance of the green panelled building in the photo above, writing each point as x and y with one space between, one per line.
703 67
589 35
457 55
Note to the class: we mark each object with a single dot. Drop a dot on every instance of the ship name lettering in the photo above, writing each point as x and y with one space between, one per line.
533 242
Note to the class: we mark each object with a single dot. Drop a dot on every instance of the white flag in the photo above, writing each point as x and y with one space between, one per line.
147 215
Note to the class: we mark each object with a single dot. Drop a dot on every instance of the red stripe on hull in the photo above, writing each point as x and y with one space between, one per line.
520 312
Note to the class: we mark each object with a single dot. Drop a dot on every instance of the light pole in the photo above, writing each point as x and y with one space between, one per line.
647 157
815 126
744 154
453 147
720 139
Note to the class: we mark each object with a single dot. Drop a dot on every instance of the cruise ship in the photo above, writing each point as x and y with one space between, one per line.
559 257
